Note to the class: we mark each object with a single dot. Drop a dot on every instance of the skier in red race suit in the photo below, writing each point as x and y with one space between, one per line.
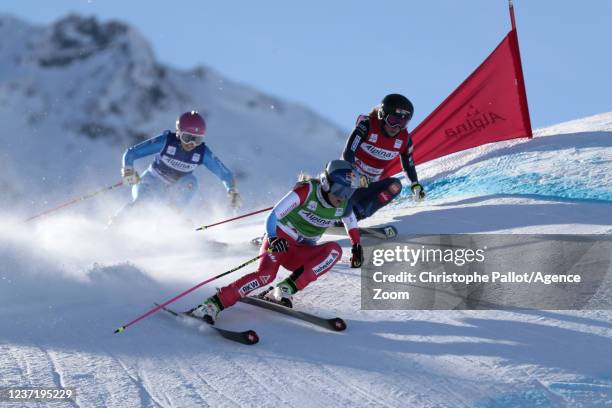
377 140
293 228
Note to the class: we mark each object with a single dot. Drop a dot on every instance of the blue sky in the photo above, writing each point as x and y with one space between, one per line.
341 57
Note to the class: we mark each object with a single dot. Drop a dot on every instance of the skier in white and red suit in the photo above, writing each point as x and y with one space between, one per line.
293 229
378 139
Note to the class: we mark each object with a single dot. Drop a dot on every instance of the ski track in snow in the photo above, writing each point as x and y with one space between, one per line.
62 310
146 399
56 372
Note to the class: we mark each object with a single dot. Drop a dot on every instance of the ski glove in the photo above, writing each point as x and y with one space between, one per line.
356 256
130 176
358 180
417 191
234 198
278 244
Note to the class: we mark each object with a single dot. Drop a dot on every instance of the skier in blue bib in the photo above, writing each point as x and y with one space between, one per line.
169 179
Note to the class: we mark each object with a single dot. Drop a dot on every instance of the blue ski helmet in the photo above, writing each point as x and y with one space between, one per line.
338 179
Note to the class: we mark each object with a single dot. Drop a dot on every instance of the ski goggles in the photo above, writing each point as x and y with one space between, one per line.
188 138
397 121
342 191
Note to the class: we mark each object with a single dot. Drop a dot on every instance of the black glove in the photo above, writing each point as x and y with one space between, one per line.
356 256
417 191
278 244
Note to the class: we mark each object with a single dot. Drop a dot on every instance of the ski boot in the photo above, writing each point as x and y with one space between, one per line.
208 310
282 294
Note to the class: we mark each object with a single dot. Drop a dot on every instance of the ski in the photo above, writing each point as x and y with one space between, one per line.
384 232
248 337
335 324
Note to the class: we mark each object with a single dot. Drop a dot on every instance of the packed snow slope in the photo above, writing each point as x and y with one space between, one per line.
66 283
558 182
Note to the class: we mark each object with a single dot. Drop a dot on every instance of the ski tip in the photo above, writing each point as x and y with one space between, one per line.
337 324
251 337
120 330
391 231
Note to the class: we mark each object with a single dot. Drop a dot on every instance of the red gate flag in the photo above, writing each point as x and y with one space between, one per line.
489 106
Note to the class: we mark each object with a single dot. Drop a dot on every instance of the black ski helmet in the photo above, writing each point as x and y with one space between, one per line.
395 104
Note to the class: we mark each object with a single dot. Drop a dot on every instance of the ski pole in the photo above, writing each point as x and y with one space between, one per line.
203 227
76 200
150 312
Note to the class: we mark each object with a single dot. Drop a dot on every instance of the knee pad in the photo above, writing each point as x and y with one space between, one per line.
390 192
184 190
395 188
188 183
334 246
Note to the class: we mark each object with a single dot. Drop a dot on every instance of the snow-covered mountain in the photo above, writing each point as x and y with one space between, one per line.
75 94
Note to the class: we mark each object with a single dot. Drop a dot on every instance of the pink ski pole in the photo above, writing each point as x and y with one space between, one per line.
150 312
203 227
76 200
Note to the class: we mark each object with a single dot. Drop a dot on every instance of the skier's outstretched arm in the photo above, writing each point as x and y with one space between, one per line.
217 167
350 223
352 228
408 162
143 149
410 169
